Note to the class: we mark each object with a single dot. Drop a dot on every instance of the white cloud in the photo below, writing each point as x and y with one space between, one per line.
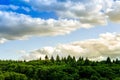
114 13
14 26
95 49
72 15
2 40
75 9
88 11
25 8
13 7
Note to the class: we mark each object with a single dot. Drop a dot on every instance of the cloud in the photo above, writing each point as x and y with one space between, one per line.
26 9
72 15
14 8
5 7
2 40
87 11
93 11
14 26
95 49
114 13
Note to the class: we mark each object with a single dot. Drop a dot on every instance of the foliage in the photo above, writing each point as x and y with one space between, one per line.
67 68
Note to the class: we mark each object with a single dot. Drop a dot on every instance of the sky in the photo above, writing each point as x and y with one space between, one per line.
30 29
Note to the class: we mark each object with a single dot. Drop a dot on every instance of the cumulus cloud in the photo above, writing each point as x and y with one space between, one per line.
14 26
88 11
71 16
114 13
95 49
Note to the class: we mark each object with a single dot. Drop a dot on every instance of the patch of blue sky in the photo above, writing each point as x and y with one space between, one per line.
5 2
33 13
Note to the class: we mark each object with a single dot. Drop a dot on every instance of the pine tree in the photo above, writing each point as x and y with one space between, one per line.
69 58
74 60
108 61
58 58
40 58
80 59
117 61
87 62
46 57
52 59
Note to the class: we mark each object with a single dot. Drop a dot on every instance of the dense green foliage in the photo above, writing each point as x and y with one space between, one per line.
60 69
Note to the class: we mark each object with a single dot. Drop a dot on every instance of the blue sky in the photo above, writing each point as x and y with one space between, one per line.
30 29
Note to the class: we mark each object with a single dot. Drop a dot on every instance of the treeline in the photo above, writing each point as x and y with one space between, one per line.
67 68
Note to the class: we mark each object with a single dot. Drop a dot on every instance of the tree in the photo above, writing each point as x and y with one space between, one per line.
40 59
117 78
108 61
69 58
52 59
46 57
2 77
94 77
117 61
80 59
64 59
87 62
61 69
74 58
14 76
57 58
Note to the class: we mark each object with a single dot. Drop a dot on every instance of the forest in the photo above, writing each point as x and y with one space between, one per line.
67 68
